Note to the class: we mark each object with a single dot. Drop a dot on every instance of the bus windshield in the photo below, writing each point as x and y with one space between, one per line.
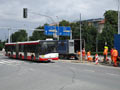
48 47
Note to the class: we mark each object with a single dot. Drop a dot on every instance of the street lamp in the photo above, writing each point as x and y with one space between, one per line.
58 28
80 40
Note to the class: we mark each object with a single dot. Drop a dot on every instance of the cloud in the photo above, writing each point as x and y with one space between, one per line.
11 11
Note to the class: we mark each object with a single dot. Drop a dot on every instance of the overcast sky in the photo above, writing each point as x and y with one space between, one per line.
11 11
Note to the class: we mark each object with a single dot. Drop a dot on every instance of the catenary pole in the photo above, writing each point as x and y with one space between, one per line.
80 41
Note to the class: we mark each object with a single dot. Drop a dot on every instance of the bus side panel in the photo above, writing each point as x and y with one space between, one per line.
14 54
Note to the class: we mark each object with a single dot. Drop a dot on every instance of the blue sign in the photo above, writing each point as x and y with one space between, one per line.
50 30
61 31
64 31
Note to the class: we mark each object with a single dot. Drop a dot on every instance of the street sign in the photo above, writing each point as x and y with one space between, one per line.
61 30
64 31
50 30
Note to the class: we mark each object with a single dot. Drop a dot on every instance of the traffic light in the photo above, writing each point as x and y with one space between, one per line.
24 12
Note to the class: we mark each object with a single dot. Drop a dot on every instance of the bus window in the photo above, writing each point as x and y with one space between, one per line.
47 47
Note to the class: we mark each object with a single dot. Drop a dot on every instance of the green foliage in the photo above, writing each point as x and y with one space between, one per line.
89 34
111 17
110 28
39 35
64 23
1 45
75 30
19 36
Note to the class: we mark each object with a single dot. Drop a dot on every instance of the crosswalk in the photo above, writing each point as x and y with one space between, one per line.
10 62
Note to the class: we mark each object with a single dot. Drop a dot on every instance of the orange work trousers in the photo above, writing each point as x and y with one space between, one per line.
90 59
115 60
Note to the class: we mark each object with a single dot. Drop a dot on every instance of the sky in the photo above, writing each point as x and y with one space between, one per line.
11 12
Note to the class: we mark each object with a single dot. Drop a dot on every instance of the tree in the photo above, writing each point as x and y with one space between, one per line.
39 35
110 28
64 23
1 45
75 27
19 36
89 34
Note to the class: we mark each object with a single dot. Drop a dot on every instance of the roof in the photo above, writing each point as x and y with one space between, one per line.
94 20
102 21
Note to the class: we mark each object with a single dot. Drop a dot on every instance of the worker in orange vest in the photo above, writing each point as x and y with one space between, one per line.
89 58
78 53
115 56
83 53
105 53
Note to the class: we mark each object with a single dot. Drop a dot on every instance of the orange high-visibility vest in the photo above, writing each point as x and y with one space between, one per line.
88 53
89 58
105 51
115 53
78 52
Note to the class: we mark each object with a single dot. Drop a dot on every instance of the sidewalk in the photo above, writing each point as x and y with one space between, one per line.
92 63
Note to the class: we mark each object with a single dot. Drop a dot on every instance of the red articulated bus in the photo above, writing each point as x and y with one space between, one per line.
41 50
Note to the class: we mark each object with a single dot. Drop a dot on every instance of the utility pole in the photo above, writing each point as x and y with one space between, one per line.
71 35
80 41
118 17
97 42
58 37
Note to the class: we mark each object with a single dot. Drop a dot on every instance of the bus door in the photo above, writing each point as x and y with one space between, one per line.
17 50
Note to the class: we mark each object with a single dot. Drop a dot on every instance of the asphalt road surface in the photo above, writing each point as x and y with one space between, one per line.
26 75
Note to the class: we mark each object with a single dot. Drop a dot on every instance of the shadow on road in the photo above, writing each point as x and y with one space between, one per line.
28 61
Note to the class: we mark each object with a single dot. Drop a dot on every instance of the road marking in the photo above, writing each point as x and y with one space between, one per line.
8 62
89 70
112 74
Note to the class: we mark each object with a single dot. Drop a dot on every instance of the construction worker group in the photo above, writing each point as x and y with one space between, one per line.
113 53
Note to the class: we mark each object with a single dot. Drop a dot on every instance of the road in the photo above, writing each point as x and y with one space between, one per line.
58 75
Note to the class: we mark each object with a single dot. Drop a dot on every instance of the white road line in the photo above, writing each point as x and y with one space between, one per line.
89 70
111 74
9 62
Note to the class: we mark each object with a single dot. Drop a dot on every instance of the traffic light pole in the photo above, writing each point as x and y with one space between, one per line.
8 35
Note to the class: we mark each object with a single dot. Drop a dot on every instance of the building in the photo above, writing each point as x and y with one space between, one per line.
97 23
101 26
